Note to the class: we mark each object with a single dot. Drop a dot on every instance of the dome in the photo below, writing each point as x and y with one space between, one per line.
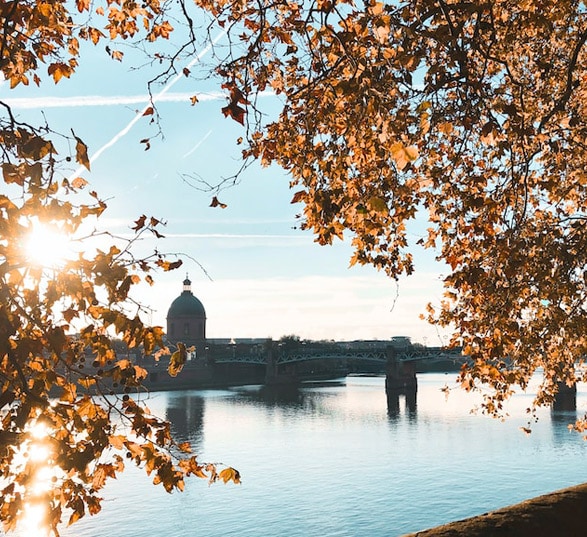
186 318
186 304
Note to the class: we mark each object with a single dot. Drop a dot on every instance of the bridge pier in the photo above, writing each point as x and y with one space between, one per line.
271 368
400 377
393 403
566 397
272 374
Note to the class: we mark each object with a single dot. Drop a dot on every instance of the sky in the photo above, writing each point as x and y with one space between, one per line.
256 275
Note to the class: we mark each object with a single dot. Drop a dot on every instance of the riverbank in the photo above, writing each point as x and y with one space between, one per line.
561 513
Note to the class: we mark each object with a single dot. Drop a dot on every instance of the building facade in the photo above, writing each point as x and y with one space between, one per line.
186 318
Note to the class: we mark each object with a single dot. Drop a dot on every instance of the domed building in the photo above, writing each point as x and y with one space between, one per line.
186 318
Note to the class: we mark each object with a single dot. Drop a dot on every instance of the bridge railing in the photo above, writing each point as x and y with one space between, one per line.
255 354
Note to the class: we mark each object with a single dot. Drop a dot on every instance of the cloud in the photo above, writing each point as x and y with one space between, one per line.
236 236
104 100
313 307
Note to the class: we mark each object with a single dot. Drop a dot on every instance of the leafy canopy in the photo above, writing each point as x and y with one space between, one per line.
71 414
471 114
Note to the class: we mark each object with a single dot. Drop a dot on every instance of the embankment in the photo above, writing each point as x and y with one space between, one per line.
560 514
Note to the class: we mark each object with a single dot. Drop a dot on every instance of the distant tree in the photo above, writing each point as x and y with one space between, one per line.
290 342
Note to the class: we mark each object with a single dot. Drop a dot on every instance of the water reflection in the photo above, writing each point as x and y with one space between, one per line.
287 396
281 396
185 410
410 406
344 461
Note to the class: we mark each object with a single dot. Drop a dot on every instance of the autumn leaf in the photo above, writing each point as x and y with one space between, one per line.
58 71
95 35
140 223
101 473
177 360
117 441
87 382
216 203
12 174
76 515
298 196
229 474
78 182
185 447
160 30
69 314
378 204
83 5
140 373
169 265
117 55
81 153
36 148
234 111
403 155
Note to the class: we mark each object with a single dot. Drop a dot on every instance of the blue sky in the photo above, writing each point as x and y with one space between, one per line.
266 279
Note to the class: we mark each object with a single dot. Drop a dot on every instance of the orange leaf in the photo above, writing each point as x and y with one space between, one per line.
59 70
81 153
185 447
140 223
177 360
216 203
117 441
83 5
298 196
235 111
230 474
79 182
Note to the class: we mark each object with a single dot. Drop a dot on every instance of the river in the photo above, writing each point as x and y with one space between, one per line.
332 460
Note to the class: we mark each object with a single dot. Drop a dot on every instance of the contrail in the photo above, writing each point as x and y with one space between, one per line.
198 144
103 100
156 98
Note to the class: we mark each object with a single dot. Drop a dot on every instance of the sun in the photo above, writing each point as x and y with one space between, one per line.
33 521
47 246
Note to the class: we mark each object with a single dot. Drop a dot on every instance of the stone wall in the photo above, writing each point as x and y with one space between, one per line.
560 514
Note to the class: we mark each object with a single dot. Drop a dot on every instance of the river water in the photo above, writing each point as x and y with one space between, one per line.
333 460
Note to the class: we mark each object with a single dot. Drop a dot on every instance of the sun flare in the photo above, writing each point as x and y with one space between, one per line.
47 246
33 521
